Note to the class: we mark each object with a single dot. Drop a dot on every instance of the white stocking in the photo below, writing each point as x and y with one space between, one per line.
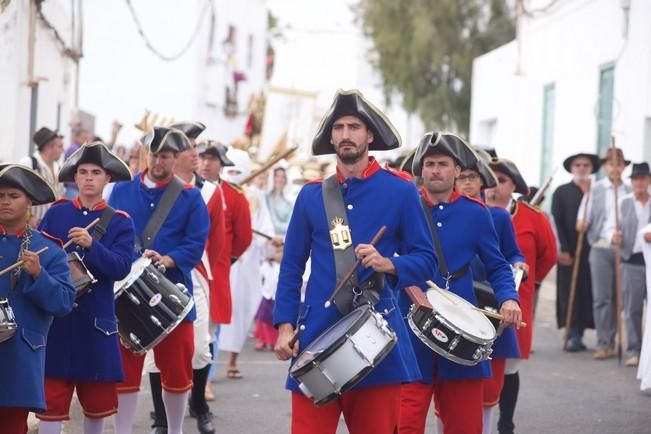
127 406
487 419
49 427
175 404
93 426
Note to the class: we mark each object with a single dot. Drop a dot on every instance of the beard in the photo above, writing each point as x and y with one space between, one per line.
350 156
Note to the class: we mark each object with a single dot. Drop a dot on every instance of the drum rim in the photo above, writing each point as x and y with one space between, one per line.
166 332
462 332
122 284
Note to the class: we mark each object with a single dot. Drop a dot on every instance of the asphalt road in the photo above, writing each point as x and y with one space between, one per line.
560 392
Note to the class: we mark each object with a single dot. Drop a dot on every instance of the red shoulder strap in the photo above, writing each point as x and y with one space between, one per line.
399 173
53 238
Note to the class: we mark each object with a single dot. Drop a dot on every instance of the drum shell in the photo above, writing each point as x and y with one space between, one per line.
8 325
81 278
149 309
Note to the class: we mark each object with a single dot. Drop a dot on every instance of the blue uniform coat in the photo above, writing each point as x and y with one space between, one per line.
183 235
379 198
465 229
83 345
34 302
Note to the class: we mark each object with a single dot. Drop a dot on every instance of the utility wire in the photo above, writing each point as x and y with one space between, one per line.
67 51
153 49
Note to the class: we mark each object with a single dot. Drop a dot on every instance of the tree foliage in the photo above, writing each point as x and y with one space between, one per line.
424 49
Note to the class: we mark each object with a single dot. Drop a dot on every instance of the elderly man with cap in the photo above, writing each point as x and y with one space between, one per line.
35 291
600 232
635 215
185 168
82 350
351 205
238 237
461 228
177 245
565 207
45 161
537 243
471 182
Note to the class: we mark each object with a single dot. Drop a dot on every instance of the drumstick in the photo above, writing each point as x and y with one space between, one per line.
263 235
294 338
21 262
90 225
495 315
352 271
441 290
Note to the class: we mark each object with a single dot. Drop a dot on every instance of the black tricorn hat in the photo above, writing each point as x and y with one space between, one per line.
443 143
24 178
640 170
43 136
95 153
192 129
485 172
216 149
160 139
594 159
408 162
509 168
353 103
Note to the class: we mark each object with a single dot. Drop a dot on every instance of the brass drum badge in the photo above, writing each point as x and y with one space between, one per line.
340 234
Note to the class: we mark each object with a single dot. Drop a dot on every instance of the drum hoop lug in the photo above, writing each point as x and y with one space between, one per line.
359 351
454 343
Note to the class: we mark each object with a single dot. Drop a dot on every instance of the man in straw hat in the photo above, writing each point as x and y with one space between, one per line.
105 251
37 290
350 129
600 227
635 215
464 229
537 243
565 207
177 246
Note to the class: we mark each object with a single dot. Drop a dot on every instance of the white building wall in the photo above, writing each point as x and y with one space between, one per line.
565 46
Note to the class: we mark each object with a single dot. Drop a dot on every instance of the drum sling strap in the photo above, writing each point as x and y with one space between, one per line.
161 212
102 225
443 266
350 295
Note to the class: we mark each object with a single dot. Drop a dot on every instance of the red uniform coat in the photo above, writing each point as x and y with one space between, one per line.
216 235
538 245
238 236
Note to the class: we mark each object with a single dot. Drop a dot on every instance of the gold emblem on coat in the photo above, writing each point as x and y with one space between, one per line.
340 234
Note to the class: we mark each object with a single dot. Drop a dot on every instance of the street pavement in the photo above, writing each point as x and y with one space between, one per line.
560 392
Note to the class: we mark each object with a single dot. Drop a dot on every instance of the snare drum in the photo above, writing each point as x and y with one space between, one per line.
454 329
148 306
343 354
8 324
79 274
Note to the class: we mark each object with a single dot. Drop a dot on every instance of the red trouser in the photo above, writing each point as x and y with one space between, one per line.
493 386
98 400
458 403
13 420
173 357
367 410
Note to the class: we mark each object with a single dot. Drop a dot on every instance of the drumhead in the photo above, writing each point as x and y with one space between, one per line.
137 268
461 314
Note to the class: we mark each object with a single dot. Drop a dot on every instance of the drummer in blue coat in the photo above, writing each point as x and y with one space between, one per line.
36 291
178 247
465 229
83 351
471 182
373 197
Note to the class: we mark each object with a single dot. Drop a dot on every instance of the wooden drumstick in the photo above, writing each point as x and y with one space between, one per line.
294 338
21 262
90 225
441 290
495 315
353 269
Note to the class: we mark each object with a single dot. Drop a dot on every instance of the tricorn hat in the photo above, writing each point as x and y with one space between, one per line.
509 168
24 178
640 170
95 153
43 136
485 172
353 103
594 159
160 139
192 129
216 149
443 143
615 153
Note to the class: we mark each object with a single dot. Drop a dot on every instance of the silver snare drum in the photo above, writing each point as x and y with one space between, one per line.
454 329
343 354
8 324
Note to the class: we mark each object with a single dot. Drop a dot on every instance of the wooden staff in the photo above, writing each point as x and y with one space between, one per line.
575 271
618 261
353 269
21 262
90 225
537 198
268 164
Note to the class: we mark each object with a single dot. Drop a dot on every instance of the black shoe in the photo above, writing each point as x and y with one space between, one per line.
575 345
204 423
159 430
191 411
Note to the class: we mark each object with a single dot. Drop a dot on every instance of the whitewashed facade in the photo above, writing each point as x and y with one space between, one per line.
578 73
